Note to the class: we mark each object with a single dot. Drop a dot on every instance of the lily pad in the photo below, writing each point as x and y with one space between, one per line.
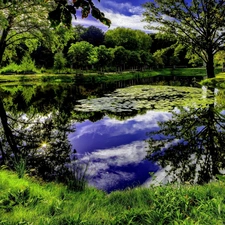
148 97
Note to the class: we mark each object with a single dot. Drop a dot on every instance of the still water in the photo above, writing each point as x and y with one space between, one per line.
113 129
115 150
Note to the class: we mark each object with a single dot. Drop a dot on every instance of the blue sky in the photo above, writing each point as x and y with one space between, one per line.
121 13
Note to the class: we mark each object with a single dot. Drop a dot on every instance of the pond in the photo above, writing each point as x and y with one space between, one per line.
123 135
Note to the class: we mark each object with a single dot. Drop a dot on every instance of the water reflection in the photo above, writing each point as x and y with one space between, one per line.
192 149
111 139
115 149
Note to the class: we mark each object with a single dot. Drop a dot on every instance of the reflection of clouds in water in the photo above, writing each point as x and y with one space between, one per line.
106 166
115 150
107 180
119 156
115 127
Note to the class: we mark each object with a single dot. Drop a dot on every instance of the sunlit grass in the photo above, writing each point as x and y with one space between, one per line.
50 203
217 82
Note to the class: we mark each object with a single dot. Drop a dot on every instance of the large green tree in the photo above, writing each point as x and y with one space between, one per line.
197 23
22 20
130 39
79 54
93 35
101 57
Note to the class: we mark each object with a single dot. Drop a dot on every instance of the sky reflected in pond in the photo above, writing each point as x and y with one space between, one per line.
116 150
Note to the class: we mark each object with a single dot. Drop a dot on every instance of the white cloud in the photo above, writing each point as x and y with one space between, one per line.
116 12
118 20
121 20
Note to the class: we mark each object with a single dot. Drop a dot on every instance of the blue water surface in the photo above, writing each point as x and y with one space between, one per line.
115 150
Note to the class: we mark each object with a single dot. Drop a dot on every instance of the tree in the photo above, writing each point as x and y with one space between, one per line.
101 56
59 61
93 35
120 57
199 24
19 24
65 9
23 20
79 53
79 30
192 144
130 39
134 59
146 58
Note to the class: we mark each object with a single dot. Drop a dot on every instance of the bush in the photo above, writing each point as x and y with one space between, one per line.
11 68
59 61
27 66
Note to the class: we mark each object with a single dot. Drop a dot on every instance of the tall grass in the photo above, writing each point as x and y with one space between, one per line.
25 201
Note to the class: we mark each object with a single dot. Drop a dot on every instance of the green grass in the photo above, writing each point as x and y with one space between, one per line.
98 78
27 201
218 81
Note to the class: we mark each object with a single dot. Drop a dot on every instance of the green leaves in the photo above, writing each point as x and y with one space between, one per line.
54 16
105 21
63 11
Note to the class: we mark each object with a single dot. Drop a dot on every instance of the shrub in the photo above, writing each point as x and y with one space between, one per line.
27 65
59 61
11 68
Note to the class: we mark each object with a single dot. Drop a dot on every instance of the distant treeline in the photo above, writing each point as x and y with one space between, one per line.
115 50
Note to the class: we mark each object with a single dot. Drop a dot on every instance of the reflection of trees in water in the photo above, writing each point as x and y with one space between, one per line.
35 132
192 144
37 121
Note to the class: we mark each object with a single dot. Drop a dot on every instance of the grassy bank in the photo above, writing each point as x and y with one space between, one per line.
107 77
218 81
27 201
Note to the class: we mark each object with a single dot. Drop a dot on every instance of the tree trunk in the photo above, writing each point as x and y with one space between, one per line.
8 133
210 65
4 36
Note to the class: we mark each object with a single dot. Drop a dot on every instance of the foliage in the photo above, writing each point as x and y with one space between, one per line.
129 39
60 37
59 61
134 59
220 59
192 144
26 66
120 56
79 53
197 24
93 35
22 200
19 24
11 68
146 58
64 11
101 56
